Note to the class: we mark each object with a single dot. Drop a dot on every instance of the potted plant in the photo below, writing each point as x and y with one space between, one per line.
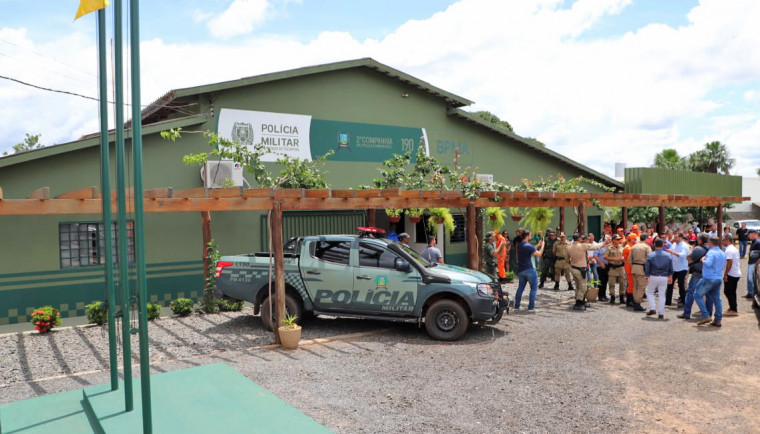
415 214
516 213
593 290
290 332
509 277
538 219
495 217
441 216
394 214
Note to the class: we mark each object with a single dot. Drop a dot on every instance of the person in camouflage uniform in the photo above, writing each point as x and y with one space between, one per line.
547 260
489 255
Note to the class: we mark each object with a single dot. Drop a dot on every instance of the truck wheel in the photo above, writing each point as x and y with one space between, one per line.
446 320
292 307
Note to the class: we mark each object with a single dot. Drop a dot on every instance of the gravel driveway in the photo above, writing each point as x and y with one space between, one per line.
604 370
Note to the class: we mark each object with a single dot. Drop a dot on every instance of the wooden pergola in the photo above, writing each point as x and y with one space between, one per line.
167 200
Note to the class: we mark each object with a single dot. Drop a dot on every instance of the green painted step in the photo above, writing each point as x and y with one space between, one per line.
209 398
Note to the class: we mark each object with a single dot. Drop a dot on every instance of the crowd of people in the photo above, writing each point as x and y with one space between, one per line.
631 267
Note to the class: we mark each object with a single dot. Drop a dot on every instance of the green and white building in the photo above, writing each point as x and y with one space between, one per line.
361 109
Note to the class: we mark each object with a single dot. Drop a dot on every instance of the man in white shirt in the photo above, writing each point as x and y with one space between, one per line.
679 251
731 275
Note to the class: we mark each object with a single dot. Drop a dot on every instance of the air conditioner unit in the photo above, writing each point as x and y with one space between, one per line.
215 174
484 178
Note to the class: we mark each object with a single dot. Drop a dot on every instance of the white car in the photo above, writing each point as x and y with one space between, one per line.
751 224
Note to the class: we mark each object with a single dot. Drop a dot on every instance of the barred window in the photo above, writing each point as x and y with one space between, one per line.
458 235
83 244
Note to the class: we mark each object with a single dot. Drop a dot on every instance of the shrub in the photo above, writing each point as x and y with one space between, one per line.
154 311
230 305
45 318
182 306
97 313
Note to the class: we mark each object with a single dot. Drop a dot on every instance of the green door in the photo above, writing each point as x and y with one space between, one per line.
594 226
379 287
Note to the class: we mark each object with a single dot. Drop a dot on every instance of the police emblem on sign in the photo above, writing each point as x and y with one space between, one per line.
343 141
242 133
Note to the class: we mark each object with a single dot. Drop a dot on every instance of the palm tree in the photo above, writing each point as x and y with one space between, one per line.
713 159
669 159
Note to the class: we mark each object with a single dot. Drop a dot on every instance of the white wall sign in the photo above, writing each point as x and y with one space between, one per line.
280 133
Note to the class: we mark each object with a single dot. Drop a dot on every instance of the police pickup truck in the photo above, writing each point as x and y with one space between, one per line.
365 277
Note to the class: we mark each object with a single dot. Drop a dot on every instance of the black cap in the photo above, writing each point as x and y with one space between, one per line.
488 235
751 231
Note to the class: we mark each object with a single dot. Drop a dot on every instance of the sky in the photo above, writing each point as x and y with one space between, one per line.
599 81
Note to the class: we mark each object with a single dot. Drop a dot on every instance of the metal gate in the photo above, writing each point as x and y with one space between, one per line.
305 223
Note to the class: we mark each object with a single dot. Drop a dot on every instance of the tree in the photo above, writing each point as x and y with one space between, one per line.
669 159
714 158
31 141
536 141
492 118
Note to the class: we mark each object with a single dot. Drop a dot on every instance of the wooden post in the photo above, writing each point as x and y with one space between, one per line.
719 217
472 238
371 217
661 220
581 218
562 219
624 223
206 225
279 271
479 234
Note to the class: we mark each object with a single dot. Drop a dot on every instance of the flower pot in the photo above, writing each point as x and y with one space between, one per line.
438 220
517 218
492 217
394 219
415 219
289 337
592 294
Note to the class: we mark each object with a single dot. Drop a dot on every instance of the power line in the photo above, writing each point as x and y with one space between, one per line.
66 92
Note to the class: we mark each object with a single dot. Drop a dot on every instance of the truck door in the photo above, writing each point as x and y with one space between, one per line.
379 286
326 273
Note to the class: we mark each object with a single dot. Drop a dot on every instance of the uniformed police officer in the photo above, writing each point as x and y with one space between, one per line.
614 257
489 255
638 259
578 256
548 259
561 262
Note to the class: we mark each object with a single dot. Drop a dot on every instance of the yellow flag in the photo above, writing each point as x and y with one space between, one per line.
87 6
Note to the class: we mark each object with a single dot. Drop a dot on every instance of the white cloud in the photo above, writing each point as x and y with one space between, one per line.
598 101
242 17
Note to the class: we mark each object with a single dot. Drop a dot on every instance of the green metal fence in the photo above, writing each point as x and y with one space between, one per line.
647 180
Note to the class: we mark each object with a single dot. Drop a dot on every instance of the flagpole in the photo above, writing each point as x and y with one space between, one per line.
137 157
122 200
105 189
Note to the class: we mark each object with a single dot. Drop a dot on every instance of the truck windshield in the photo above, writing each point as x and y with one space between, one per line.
416 256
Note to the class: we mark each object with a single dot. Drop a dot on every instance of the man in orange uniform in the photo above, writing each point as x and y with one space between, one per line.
501 254
628 268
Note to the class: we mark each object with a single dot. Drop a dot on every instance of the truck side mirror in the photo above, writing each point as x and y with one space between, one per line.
402 265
